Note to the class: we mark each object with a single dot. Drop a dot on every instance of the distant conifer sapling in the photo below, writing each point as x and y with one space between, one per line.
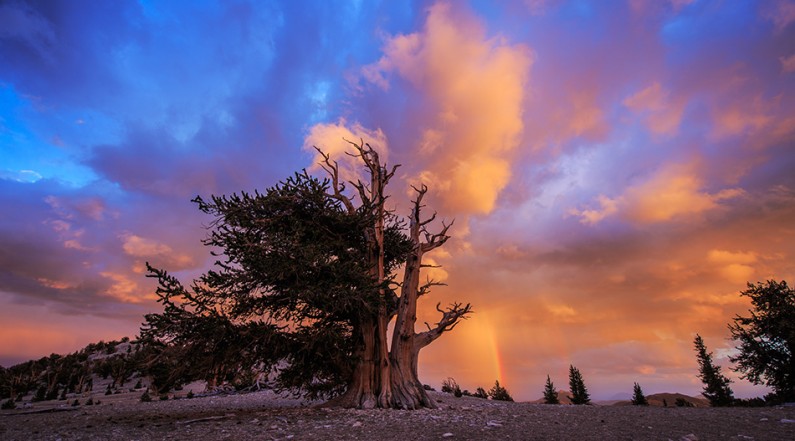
579 393
499 393
638 399
716 385
550 394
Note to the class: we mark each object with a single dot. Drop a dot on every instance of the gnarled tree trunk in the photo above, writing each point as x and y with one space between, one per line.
387 377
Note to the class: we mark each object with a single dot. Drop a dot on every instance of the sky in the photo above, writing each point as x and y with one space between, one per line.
617 170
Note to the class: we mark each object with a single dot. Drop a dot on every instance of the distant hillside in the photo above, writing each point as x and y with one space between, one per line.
56 376
563 397
661 399
669 399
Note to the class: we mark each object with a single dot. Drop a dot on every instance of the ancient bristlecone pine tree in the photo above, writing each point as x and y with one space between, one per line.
305 283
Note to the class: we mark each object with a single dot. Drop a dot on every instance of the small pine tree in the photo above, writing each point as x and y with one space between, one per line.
499 393
579 393
481 393
145 397
716 385
190 394
8 404
638 399
138 385
550 394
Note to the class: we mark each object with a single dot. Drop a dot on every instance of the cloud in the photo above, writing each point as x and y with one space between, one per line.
606 208
735 267
781 13
20 21
334 139
470 117
158 253
729 257
742 116
673 192
662 114
788 63
562 312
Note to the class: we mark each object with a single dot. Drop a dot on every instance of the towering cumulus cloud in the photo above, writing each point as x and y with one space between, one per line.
335 140
471 88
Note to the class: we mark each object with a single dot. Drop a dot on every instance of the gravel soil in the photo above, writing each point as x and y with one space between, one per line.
265 416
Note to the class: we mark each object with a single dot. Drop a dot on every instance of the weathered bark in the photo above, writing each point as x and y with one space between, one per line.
406 344
371 385
387 377
408 391
361 391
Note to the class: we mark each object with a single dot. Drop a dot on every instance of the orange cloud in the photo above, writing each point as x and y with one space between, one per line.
585 117
741 117
606 208
149 249
474 87
331 138
662 113
125 289
734 267
675 191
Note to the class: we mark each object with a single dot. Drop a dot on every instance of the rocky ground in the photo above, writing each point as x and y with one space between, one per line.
265 416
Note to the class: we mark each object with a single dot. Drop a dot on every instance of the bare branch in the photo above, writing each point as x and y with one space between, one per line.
426 288
451 316
433 241
332 168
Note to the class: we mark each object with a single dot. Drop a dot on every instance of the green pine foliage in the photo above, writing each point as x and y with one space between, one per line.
550 394
716 385
499 393
293 256
579 393
638 398
766 339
